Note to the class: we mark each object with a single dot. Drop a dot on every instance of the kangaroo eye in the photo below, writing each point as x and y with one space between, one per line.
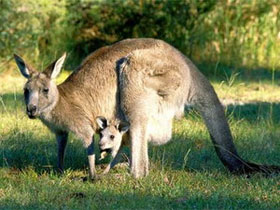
46 90
26 92
112 137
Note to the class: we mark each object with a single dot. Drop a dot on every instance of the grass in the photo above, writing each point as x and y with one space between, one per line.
184 174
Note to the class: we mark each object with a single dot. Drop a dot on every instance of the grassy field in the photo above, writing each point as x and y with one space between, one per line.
184 174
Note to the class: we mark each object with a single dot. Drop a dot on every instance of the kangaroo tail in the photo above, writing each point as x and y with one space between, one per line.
206 101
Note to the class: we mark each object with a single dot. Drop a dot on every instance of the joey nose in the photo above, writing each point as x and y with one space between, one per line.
102 146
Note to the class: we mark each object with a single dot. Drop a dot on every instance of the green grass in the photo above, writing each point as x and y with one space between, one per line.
184 174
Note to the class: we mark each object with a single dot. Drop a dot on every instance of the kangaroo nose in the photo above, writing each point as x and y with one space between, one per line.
31 108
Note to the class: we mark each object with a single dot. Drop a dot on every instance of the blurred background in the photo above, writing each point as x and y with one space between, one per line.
219 36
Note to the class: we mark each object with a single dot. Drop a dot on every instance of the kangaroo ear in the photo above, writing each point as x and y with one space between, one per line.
102 122
53 70
123 126
24 68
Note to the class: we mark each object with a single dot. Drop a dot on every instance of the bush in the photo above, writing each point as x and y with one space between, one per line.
105 22
30 28
239 33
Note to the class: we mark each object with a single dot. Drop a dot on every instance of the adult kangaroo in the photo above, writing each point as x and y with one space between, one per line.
155 82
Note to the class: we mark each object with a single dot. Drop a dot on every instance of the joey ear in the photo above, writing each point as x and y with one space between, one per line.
102 122
24 68
123 126
53 70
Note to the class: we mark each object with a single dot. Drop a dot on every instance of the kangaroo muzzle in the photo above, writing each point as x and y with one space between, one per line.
104 148
31 111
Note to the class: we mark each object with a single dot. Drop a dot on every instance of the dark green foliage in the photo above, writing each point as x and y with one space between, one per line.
239 33
105 22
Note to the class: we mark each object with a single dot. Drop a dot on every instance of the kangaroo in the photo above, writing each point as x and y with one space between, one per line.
149 80
113 136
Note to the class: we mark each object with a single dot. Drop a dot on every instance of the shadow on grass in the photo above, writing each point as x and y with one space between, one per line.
219 72
11 102
255 112
93 199
187 152
22 150
199 155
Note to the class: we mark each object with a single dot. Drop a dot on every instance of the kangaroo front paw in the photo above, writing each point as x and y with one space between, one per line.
106 171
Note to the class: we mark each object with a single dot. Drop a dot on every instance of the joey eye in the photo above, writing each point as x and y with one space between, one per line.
112 137
46 90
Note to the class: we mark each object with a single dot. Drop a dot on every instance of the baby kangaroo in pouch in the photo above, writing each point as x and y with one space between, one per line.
113 135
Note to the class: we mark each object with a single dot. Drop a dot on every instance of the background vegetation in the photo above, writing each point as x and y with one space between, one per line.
236 43
233 33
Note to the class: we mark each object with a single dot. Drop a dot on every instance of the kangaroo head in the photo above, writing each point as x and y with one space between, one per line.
40 90
111 133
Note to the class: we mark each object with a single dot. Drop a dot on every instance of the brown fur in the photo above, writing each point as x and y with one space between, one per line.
150 80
